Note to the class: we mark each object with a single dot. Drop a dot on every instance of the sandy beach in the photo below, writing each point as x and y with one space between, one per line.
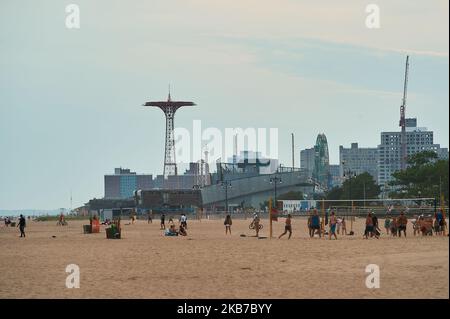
209 264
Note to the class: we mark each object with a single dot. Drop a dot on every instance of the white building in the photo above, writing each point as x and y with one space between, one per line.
307 158
291 206
418 139
358 160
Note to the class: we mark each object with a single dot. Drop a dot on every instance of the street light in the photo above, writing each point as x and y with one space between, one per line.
225 185
349 174
275 180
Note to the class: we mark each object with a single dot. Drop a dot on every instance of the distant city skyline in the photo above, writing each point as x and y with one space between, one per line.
71 107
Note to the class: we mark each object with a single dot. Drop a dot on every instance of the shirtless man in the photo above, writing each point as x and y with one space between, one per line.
402 221
287 227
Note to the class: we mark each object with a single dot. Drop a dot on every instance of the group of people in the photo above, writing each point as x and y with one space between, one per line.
172 230
21 224
426 226
337 225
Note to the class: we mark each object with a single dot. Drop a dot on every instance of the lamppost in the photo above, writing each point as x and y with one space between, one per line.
275 180
226 185
349 174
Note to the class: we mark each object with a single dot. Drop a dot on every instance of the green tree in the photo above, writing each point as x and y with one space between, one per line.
358 187
426 176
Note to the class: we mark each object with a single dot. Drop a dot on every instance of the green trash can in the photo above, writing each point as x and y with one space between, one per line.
112 233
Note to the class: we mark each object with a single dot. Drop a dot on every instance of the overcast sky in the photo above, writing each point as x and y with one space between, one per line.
70 99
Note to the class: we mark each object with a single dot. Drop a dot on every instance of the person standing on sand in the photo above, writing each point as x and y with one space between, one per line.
256 221
228 222
387 224
344 227
315 224
369 226
402 221
376 229
333 223
150 217
339 225
163 221
287 227
393 225
22 225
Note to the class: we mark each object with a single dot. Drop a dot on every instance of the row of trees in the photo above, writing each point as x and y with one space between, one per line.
426 176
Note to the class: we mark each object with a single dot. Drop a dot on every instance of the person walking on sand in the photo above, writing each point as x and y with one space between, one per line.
287 227
228 222
402 221
333 222
22 225
163 221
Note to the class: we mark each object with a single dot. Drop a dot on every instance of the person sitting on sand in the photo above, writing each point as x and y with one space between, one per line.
182 231
183 220
171 231
228 222
402 221
287 227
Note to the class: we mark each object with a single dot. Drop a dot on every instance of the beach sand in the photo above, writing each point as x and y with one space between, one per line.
209 264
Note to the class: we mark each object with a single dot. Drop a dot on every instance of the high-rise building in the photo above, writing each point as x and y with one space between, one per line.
358 160
335 176
321 172
418 139
124 182
307 160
